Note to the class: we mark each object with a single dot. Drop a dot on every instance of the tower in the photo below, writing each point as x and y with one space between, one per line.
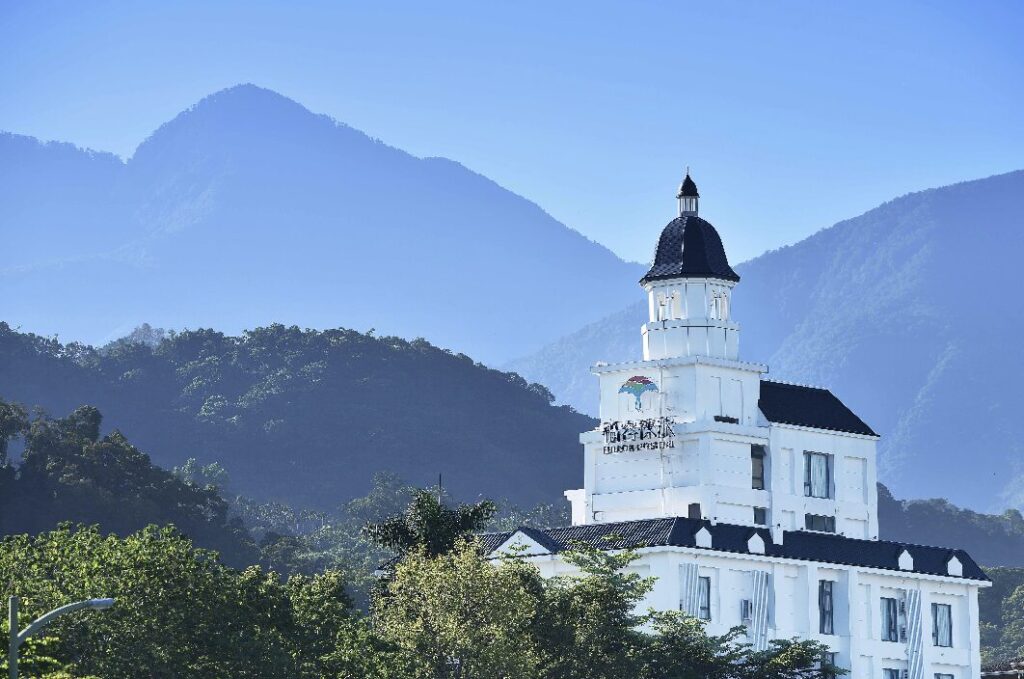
689 289
691 430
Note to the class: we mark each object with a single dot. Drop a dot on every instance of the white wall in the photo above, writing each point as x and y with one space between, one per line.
794 605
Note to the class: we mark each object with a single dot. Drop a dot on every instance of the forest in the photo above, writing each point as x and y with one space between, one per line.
300 592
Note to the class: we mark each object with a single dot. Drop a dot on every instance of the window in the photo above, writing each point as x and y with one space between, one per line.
761 516
890 620
939 675
942 625
693 510
889 673
827 665
704 598
757 467
817 475
825 524
825 608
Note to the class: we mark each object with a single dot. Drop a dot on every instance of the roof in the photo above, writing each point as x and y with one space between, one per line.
688 189
689 247
798 545
783 403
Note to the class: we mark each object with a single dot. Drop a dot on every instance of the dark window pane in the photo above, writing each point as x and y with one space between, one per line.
825 607
757 455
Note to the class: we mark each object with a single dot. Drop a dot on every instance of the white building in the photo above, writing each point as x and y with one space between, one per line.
753 502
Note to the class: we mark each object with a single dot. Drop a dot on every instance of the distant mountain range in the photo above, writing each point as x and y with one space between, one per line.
308 417
248 209
912 313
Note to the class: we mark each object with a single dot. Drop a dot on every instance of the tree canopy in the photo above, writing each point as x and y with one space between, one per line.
69 472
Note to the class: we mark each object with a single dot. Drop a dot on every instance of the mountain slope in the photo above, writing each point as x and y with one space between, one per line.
308 417
249 209
910 313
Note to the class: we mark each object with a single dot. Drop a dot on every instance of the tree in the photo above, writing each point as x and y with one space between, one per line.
180 613
590 625
13 423
69 472
428 525
457 616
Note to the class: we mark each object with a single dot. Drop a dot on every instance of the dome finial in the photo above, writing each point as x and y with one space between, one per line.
688 196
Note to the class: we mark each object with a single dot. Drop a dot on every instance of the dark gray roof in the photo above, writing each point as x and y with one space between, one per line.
799 545
808 407
689 247
688 189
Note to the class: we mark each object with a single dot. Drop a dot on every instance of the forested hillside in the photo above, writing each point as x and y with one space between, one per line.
68 472
909 313
308 417
249 209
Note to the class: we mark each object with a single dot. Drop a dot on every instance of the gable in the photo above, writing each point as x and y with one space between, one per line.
521 544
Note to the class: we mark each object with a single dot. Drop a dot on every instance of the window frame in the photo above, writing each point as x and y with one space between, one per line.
829 521
891 631
758 457
830 658
826 607
948 608
808 484
704 588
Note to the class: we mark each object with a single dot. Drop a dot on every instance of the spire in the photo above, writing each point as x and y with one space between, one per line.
688 196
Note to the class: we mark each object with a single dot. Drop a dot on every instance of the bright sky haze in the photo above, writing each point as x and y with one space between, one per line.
791 115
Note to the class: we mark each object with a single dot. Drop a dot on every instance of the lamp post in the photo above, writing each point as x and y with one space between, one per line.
18 638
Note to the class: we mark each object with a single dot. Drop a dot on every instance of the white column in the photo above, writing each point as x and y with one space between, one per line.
812 600
915 632
852 602
666 585
973 620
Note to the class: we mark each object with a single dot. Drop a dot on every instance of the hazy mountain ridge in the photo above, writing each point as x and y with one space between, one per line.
308 417
248 209
908 313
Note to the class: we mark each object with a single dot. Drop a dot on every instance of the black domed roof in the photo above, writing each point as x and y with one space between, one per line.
689 247
688 189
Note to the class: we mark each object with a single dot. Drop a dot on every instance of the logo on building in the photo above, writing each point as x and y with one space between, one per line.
638 385
637 436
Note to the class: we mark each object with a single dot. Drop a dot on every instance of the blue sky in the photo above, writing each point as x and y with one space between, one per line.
792 115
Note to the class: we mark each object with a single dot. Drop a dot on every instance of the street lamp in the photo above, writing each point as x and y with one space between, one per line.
18 638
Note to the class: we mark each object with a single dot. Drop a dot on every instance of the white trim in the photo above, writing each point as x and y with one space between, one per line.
904 575
521 539
602 367
833 432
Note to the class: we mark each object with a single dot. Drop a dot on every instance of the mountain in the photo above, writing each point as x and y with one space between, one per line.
308 417
67 472
249 209
910 313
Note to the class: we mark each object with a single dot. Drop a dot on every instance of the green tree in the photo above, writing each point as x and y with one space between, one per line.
458 616
590 625
13 422
69 472
428 525
180 613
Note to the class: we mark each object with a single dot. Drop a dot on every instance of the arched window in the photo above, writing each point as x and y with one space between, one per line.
663 310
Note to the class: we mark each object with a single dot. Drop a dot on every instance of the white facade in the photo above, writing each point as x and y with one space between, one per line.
691 431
